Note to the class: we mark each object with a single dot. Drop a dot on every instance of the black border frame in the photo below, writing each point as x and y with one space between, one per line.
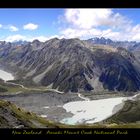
68 4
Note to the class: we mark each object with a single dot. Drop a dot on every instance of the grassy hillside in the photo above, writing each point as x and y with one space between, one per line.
128 116
3 89
12 116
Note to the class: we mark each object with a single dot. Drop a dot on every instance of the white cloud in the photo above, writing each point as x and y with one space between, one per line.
89 23
16 37
134 33
78 33
85 34
30 26
89 18
44 38
13 28
40 38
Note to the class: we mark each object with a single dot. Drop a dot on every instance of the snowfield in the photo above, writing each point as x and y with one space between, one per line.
92 111
6 76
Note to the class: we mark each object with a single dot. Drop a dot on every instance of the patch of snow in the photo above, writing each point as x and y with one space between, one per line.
46 107
6 76
43 116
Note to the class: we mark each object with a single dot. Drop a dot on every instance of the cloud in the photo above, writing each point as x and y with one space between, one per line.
132 35
78 33
30 26
44 38
40 38
89 23
89 18
85 34
16 37
13 28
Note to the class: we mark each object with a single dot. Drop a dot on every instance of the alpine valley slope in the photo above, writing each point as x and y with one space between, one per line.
71 65
11 116
132 46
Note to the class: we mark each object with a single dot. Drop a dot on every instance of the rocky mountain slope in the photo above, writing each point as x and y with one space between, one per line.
72 65
12 116
130 113
132 46
129 45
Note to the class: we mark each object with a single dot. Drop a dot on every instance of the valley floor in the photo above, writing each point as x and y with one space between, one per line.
68 108
54 106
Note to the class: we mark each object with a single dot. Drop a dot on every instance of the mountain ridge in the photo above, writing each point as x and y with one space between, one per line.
73 65
129 45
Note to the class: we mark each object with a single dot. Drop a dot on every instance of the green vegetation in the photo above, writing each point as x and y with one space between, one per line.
3 89
7 88
11 89
128 116
27 119
31 120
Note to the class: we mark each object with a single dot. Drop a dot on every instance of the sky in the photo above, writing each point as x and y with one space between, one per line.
43 24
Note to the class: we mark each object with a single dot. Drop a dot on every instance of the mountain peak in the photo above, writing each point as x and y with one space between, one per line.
36 41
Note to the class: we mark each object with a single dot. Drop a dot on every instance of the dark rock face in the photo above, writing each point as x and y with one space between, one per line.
73 65
119 74
117 78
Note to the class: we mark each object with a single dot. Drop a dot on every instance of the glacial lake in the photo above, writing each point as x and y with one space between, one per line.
92 111
6 76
